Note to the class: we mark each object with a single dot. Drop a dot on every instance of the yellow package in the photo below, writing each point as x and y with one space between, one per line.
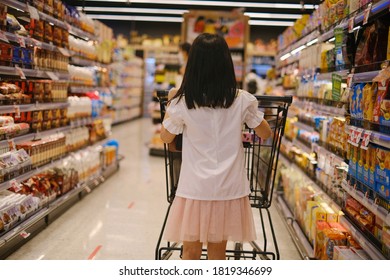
307 216
318 214
388 45
369 96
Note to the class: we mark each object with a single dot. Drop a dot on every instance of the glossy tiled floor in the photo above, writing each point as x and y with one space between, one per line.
122 218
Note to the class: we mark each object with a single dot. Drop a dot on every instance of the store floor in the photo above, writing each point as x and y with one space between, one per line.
122 218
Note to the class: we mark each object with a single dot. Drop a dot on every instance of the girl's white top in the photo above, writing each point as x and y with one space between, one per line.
213 164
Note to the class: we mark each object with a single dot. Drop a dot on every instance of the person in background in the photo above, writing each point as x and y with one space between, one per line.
212 204
184 50
254 83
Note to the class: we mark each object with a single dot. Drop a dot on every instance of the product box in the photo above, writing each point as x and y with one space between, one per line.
372 164
348 254
369 96
319 248
386 242
360 166
384 118
332 237
383 190
337 251
382 168
317 214
307 217
353 162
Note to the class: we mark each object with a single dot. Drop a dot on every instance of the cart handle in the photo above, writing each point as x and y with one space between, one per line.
285 99
162 94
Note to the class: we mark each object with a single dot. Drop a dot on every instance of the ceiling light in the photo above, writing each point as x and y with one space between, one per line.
331 39
216 3
273 16
132 10
137 18
271 23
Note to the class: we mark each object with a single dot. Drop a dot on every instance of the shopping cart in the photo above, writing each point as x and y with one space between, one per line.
261 160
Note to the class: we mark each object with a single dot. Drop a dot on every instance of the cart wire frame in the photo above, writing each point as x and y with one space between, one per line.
261 161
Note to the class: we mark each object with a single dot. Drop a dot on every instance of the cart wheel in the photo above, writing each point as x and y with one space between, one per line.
237 251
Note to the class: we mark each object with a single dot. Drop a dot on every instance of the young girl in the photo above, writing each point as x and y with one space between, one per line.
211 205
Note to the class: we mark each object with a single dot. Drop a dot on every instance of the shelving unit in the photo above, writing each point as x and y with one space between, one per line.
316 101
25 227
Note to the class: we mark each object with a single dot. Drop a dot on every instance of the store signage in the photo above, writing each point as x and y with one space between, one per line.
339 37
336 86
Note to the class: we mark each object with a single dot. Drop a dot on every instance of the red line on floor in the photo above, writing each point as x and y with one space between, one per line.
130 205
93 255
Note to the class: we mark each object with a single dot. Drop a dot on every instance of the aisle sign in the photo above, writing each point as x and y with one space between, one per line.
336 86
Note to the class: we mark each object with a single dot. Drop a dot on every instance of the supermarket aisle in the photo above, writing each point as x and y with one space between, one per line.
122 218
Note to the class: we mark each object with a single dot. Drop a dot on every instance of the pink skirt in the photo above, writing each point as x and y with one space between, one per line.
210 221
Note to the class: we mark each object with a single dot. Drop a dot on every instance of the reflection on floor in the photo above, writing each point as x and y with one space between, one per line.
122 218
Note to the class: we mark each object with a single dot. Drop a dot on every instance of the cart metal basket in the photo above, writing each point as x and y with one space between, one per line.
261 161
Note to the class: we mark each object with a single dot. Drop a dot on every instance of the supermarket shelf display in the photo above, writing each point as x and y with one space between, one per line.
337 133
54 90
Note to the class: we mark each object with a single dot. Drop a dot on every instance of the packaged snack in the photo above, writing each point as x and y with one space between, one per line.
382 168
386 242
381 95
361 163
318 214
319 242
332 237
369 97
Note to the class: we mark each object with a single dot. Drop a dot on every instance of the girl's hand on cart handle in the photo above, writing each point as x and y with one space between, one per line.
263 130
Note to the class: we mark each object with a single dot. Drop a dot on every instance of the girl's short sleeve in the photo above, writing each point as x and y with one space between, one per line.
252 115
174 123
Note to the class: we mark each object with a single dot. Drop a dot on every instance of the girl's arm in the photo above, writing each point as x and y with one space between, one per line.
263 130
165 135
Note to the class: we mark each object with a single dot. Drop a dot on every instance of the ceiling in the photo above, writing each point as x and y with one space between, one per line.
263 13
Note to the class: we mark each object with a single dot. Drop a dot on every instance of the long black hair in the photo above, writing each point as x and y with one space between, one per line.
209 79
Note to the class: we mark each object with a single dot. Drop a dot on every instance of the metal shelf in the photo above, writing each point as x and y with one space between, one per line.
364 77
33 73
36 135
304 247
380 139
44 216
371 250
7 109
368 203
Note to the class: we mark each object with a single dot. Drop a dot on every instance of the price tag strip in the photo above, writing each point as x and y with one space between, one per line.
3 37
33 12
367 13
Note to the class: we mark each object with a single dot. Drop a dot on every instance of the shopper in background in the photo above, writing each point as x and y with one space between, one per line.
211 205
254 83
184 50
